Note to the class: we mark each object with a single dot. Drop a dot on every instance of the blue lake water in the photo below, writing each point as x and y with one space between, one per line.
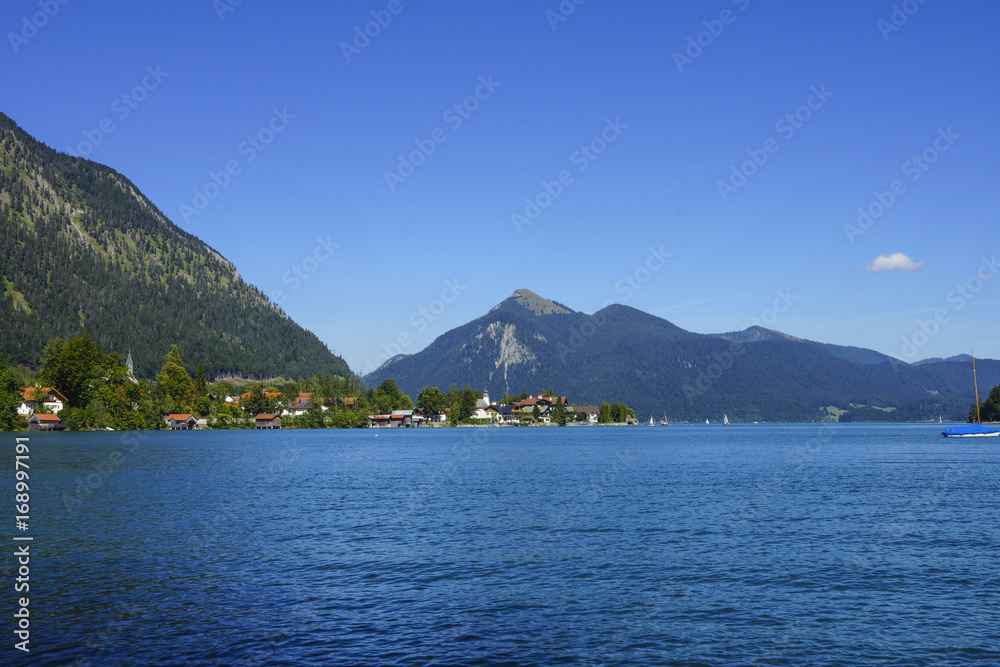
690 545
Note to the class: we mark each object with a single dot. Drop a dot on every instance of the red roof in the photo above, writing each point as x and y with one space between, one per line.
178 417
47 418
28 392
264 417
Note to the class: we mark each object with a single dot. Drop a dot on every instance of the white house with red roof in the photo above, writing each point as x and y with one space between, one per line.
33 397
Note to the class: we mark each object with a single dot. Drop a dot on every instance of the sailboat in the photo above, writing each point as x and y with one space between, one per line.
664 422
725 420
976 430
706 421
651 420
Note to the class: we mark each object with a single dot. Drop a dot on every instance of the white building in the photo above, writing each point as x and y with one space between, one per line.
31 397
481 405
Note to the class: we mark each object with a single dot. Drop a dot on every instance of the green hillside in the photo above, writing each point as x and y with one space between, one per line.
82 250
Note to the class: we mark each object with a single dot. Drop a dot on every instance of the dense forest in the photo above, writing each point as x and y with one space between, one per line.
82 250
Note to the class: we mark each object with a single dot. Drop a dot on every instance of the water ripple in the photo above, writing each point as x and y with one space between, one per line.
578 546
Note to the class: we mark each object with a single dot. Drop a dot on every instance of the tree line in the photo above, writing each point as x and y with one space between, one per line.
989 409
101 394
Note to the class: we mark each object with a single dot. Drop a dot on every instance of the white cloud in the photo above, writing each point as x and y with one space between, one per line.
897 261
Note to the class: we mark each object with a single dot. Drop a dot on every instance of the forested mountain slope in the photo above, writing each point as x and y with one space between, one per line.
82 250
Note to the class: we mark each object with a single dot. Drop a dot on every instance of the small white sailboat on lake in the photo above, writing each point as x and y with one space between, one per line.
725 420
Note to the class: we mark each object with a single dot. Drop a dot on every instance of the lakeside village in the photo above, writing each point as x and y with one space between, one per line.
79 388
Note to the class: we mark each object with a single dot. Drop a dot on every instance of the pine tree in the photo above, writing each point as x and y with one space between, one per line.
200 384
175 383
174 356
559 412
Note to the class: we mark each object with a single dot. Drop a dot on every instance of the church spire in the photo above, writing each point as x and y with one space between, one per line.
130 367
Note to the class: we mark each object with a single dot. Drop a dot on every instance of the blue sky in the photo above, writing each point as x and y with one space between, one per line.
738 137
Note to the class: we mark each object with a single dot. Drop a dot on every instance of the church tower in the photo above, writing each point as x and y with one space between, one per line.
131 367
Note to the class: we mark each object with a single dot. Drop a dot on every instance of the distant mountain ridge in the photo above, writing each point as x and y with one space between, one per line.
528 343
937 360
82 250
858 355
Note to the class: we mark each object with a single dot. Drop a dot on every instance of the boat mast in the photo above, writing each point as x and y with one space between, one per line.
978 421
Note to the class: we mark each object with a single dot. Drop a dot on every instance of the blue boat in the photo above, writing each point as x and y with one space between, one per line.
976 430
969 431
